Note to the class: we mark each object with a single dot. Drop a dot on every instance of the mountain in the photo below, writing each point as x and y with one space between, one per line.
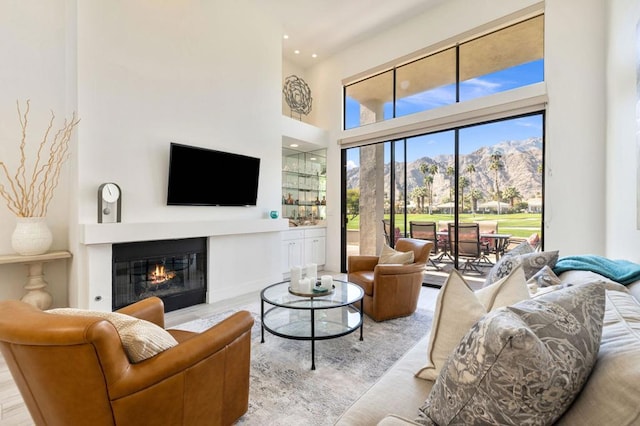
520 159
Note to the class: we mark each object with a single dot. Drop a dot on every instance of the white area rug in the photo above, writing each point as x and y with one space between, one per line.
285 391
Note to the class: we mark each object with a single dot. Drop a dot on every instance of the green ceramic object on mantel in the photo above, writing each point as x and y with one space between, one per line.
31 236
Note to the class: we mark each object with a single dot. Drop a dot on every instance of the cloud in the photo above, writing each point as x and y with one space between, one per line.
445 95
351 165
478 87
429 99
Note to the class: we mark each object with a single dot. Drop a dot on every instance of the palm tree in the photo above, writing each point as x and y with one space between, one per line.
463 183
419 193
433 170
449 172
429 170
511 193
470 169
475 196
495 164
429 182
424 169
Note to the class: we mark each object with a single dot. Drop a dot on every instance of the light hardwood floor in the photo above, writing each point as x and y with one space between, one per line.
13 412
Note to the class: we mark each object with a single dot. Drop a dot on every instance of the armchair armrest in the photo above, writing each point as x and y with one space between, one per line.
149 309
361 263
188 353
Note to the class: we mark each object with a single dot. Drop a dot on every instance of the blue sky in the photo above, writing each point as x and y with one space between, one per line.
471 138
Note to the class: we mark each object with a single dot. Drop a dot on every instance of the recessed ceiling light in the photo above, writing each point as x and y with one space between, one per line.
313 158
286 36
294 145
297 52
314 55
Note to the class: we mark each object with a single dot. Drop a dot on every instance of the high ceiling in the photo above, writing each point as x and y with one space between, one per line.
324 27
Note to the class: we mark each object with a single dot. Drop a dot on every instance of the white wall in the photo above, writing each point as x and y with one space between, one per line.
576 117
622 234
141 75
33 48
149 75
201 73
575 140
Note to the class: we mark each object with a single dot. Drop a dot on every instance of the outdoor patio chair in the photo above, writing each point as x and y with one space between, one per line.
427 231
386 229
470 247
533 240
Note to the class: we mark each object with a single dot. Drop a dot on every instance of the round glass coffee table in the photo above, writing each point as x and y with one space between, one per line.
314 317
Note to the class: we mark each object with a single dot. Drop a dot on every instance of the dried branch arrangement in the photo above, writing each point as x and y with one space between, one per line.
29 191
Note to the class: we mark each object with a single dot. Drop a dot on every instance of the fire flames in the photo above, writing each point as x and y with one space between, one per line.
161 275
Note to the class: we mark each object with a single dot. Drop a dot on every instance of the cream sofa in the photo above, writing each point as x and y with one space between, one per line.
610 396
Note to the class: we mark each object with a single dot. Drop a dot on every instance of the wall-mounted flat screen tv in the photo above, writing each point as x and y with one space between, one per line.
206 177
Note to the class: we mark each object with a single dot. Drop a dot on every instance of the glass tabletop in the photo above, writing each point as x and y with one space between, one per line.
344 293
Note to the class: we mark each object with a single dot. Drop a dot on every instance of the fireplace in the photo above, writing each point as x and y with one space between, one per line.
174 270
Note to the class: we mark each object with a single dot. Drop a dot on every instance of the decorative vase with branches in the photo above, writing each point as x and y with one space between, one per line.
29 189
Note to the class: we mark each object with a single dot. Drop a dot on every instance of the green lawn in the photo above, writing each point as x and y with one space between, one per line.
516 224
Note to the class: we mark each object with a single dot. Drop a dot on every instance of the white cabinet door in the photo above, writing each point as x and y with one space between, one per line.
292 250
301 247
314 250
292 254
314 246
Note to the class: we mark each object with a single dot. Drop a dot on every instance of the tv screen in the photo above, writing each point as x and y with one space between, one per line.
205 177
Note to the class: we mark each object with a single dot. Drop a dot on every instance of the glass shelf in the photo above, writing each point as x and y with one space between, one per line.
304 184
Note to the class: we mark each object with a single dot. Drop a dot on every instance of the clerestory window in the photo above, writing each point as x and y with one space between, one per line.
505 59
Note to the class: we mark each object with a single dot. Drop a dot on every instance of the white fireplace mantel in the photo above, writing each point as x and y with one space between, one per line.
224 253
112 233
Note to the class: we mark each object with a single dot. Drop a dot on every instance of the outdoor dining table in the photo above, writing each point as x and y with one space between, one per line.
501 242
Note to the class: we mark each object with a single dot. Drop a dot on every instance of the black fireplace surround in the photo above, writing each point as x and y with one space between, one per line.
174 270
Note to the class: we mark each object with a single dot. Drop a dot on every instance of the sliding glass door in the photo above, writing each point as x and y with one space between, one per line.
489 173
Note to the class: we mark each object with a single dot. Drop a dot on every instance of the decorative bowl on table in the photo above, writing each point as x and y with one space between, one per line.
316 292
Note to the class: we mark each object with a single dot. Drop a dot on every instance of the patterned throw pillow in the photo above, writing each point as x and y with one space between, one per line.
458 307
521 364
531 264
141 339
390 255
544 278
522 248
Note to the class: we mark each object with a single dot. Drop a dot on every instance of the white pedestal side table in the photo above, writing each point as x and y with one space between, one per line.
35 286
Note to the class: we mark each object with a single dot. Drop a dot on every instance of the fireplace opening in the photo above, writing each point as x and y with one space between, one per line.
173 270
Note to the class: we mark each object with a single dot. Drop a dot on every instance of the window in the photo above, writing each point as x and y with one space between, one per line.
486 173
502 60
426 83
369 101
505 59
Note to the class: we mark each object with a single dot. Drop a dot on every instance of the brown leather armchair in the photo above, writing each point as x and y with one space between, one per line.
73 370
390 290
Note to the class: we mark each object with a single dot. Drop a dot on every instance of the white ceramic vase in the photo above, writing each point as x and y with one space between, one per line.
32 236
